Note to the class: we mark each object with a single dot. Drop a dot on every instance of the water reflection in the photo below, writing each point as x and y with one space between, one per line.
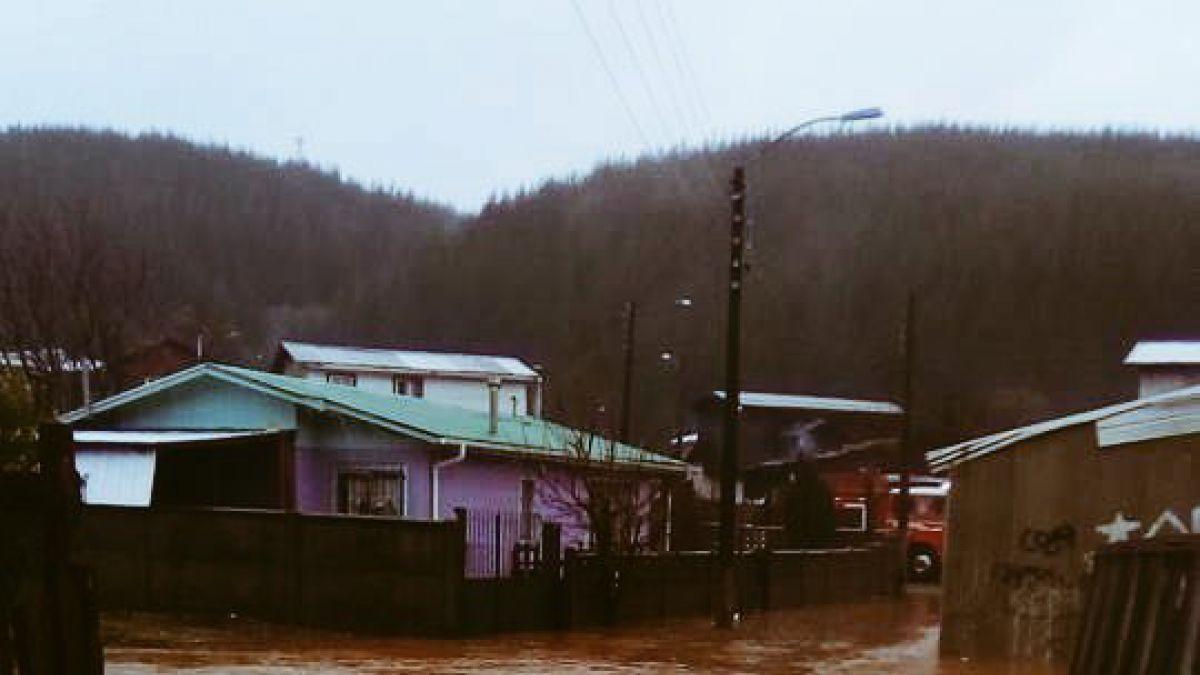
880 637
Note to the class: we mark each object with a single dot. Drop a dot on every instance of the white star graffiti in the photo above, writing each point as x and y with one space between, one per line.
1119 528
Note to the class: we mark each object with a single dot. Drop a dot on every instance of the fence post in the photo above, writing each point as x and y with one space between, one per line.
454 547
764 566
498 549
55 441
551 547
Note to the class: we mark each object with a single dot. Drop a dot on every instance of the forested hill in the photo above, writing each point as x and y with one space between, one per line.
1035 261
177 238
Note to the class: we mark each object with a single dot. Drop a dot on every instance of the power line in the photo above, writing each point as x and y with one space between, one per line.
673 22
690 95
637 65
689 84
672 88
612 78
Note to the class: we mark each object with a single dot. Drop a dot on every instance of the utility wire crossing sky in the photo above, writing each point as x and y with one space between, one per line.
461 100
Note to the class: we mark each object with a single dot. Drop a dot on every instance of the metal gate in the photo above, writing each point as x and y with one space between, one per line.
1142 613
501 542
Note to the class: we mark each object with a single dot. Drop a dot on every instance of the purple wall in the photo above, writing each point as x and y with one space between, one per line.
483 483
323 445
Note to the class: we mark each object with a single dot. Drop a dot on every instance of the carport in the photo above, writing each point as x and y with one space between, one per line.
218 468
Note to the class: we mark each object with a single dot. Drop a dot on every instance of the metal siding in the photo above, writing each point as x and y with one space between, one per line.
116 477
1003 595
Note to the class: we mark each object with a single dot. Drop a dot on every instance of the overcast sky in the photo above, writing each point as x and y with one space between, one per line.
457 100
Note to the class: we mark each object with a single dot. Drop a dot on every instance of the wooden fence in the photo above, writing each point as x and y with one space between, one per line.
48 618
374 574
399 576
636 588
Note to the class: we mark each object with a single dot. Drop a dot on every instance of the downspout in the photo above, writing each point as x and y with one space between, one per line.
434 484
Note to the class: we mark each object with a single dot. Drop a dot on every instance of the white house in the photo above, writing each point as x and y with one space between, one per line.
465 380
1165 365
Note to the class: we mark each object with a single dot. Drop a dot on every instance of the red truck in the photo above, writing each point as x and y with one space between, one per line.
868 502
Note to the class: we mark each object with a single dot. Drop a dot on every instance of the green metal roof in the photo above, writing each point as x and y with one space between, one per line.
429 421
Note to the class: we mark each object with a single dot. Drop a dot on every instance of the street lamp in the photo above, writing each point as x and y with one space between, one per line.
729 450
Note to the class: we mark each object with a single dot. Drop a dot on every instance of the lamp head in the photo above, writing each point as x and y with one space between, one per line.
861 114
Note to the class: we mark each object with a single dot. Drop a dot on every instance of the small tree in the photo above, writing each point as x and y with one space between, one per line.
18 416
603 484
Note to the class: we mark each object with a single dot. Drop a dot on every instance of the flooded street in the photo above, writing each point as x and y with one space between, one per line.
879 637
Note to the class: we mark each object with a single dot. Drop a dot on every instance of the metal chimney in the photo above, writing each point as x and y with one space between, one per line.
493 405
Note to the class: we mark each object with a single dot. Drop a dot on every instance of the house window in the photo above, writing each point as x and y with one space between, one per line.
527 492
408 385
348 379
371 492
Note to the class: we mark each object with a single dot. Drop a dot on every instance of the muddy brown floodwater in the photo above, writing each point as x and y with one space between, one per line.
877 637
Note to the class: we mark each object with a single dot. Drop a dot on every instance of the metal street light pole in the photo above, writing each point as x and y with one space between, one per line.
729 451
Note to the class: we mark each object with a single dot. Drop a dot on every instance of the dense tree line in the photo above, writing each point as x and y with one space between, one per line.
1036 260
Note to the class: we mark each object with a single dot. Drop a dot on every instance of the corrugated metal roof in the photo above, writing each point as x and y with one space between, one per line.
943 459
91 437
1164 352
407 361
416 417
750 399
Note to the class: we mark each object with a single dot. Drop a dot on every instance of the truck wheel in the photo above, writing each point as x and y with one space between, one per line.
923 563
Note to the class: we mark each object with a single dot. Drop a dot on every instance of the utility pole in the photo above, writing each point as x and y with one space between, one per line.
729 448
627 385
906 438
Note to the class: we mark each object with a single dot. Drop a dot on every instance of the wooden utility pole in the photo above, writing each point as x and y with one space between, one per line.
627 385
906 437
727 597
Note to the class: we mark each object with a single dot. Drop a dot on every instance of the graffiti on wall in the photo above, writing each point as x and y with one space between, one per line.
1124 528
1040 603
1047 542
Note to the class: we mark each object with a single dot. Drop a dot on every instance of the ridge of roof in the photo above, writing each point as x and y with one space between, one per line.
430 421
407 360
754 399
943 459
1164 353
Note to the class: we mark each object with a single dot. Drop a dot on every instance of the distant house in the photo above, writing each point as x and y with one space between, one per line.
1165 365
1029 506
777 430
221 436
70 378
151 360
464 380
